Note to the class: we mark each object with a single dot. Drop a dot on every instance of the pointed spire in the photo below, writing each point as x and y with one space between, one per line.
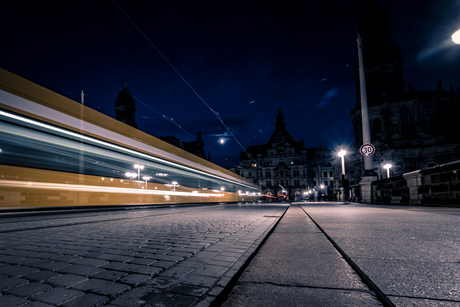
280 120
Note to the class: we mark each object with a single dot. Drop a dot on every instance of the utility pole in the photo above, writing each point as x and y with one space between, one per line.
368 175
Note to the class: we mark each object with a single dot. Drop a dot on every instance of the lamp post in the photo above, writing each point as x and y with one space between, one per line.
131 175
174 183
368 169
387 167
146 178
321 191
342 154
139 167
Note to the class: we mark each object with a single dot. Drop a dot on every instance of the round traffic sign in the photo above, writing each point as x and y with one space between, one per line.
367 150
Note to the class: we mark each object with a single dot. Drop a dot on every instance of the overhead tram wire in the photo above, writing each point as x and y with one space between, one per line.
185 81
170 119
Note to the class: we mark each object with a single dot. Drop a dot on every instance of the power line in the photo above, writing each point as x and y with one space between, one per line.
183 79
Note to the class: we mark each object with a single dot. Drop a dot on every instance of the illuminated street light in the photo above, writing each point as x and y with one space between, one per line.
174 183
139 167
387 167
342 154
456 37
131 175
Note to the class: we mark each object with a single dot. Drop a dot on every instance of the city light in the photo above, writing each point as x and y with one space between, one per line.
131 175
387 167
456 37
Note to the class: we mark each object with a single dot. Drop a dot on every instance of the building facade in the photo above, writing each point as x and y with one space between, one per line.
284 168
410 129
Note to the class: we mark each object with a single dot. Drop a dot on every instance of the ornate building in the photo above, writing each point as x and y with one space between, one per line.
410 129
125 109
283 164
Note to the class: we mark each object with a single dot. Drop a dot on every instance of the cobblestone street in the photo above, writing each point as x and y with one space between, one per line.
180 256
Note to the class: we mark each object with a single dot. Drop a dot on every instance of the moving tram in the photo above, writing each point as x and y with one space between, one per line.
57 152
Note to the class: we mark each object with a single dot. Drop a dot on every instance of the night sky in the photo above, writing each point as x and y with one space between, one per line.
211 65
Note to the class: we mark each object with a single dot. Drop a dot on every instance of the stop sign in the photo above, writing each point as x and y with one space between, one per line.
367 150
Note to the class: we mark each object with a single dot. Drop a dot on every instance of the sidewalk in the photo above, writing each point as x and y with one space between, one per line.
298 266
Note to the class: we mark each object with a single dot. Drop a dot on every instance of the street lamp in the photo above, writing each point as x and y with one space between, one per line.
146 178
131 175
456 37
139 167
342 154
174 183
387 167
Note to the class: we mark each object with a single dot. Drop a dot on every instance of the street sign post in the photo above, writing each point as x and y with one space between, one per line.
367 150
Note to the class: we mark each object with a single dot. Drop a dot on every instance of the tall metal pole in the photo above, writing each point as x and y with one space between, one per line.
343 165
82 146
364 112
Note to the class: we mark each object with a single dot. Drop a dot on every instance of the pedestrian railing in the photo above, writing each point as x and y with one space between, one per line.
439 185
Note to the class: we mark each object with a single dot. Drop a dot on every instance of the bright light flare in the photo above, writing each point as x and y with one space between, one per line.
138 166
98 189
222 141
456 37
342 153
387 166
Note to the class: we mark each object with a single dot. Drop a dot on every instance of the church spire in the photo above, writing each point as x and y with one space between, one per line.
125 109
280 120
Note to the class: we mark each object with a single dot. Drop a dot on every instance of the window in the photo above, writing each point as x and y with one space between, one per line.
330 174
268 174
254 165
314 182
296 173
314 175
297 182
325 174
304 172
269 183
249 174
259 174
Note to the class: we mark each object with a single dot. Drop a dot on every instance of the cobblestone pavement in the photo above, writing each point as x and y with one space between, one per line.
183 256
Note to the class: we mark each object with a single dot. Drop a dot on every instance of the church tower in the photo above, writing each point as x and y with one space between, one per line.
382 61
125 110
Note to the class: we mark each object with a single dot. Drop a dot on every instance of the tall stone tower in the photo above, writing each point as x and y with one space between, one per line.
125 109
